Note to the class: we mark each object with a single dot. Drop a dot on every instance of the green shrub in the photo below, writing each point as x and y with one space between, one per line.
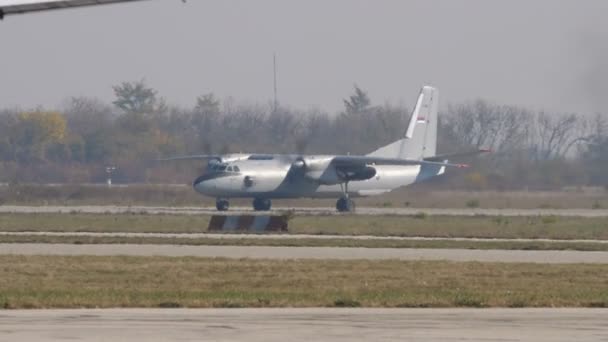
549 219
346 303
469 300
501 220
420 215
473 203
169 305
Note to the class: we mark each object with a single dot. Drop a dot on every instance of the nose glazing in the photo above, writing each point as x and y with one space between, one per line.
199 180
203 182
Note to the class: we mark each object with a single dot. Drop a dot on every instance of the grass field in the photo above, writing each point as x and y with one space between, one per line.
79 282
549 227
417 196
308 242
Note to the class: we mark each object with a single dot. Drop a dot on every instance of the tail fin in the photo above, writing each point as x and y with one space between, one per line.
420 140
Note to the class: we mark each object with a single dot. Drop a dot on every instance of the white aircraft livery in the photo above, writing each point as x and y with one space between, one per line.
9 7
263 177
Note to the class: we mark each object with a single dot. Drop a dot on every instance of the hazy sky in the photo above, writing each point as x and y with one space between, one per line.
537 53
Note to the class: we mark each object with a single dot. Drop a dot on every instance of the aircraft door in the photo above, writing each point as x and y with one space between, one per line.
236 179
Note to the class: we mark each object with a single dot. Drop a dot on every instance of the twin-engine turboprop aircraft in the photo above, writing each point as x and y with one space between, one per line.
264 177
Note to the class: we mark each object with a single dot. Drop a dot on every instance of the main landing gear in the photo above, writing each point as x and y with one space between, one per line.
222 204
260 204
344 203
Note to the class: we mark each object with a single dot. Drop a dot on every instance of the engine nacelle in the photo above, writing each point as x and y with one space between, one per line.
312 163
322 171
329 176
317 169
358 174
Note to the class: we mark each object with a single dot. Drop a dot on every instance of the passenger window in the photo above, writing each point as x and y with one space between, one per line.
236 169
229 169
222 168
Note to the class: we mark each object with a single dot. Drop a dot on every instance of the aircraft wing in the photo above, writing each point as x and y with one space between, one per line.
9 7
193 157
223 158
354 161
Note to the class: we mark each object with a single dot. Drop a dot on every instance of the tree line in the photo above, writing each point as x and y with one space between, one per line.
74 144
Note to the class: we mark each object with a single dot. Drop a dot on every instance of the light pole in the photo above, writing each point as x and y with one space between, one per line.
109 170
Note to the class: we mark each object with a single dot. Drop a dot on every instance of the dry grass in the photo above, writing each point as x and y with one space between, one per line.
417 225
75 222
418 196
76 282
456 226
343 242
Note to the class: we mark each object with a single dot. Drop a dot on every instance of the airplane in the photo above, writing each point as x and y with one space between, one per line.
264 177
9 7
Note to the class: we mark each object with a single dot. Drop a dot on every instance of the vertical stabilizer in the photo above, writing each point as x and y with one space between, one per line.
420 140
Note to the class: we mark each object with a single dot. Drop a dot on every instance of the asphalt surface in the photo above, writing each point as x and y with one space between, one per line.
286 237
286 253
315 324
303 211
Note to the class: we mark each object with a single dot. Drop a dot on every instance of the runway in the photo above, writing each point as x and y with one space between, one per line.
314 324
303 211
288 253
286 237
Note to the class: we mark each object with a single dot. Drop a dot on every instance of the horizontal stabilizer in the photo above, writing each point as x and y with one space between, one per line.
457 155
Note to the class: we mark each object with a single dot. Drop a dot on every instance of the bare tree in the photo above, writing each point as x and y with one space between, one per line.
483 125
556 134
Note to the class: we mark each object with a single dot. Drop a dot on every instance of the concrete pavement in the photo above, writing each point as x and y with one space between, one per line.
286 253
303 211
314 324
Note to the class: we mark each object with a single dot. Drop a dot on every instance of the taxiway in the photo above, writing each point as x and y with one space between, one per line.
303 211
287 253
312 324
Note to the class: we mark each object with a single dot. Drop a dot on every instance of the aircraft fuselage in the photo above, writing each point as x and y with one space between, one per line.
271 179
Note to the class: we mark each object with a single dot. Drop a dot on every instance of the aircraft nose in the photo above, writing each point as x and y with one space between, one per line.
198 181
202 183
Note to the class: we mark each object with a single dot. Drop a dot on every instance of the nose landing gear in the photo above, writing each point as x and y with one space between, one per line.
260 204
222 204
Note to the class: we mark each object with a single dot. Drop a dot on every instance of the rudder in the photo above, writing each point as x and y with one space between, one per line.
420 140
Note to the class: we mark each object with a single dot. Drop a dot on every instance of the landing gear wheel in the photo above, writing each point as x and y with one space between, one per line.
260 204
222 204
345 204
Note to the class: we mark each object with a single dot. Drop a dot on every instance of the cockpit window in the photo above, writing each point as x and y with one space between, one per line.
223 168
